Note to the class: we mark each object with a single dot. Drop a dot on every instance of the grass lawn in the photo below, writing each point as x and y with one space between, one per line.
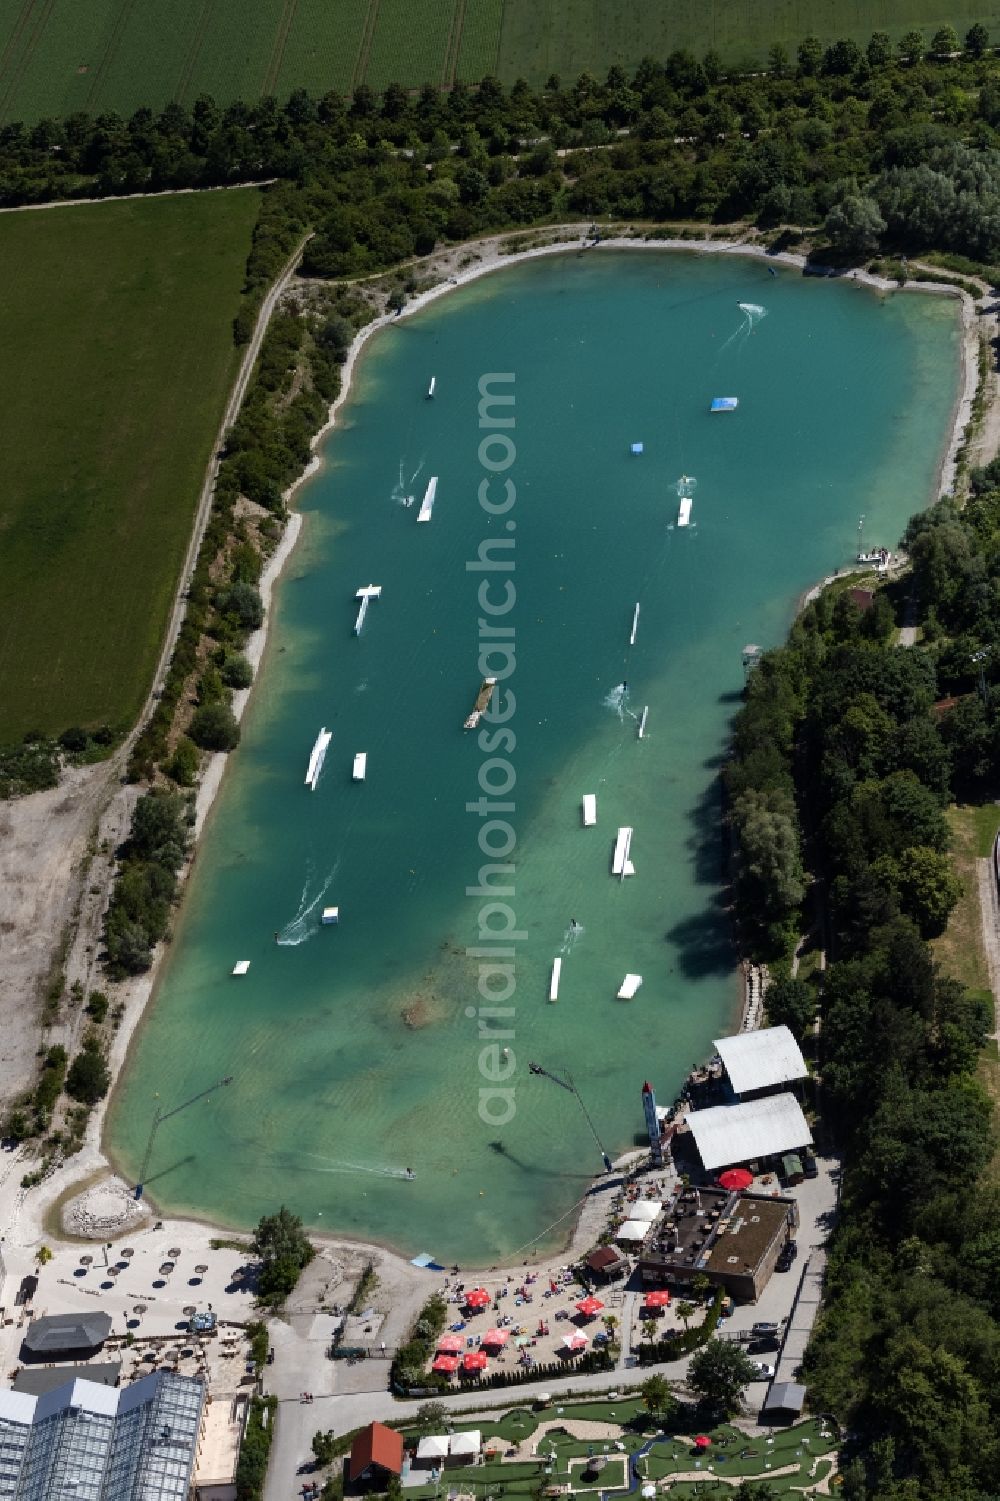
106 55
959 950
115 325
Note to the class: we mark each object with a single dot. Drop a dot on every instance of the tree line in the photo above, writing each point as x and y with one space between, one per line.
845 754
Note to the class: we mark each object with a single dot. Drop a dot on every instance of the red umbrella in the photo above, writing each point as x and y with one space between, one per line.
658 1299
446 1363
451 1344
496 1337
735 1178
589 1307
703 1441
474 1360
478 1298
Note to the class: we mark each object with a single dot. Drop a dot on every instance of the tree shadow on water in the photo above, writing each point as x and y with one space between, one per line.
704 940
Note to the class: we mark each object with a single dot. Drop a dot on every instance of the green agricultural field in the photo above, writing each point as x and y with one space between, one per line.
57 56
117 357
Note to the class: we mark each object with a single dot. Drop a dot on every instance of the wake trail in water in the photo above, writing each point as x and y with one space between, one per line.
302 928
572 937
753 313
402 490
336 1166
615 700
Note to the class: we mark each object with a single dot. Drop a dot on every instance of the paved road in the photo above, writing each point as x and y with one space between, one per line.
301 1362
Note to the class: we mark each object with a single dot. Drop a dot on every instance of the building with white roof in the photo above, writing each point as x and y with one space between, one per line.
761 1060
748 1131
101 1443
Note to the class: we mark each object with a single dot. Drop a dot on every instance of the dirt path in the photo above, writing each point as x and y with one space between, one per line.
990 907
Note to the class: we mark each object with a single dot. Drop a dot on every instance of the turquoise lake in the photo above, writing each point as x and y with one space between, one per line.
355 1049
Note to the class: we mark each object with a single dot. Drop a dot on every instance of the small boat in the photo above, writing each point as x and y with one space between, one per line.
554 982
684 513
635 626
724 403
366 595
317 756
621 865
427 504
430 388
331 915
589 809
629 986
877 557
642 721
482 703
241 966
360 766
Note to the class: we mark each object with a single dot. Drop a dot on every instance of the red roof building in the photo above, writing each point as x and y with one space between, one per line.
377 1451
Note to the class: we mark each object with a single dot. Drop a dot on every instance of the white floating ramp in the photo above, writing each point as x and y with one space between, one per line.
366 595
642 721
330 916
635 626
430 388
427 504
629 986
684 513
589 809
621 865
360 766
316 757
554 982
241 966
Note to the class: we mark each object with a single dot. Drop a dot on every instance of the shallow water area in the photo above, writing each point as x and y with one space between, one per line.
356 1049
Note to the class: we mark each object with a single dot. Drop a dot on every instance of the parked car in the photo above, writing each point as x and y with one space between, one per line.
762 1329
763 1346
809 1167
764 1371
786 1256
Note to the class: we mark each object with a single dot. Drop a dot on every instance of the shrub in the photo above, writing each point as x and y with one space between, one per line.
97 1005
88 1079
183 764
214 728
237 672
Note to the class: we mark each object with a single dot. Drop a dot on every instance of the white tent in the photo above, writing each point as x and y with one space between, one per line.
633 1230
432 1448
466 1446
646 1209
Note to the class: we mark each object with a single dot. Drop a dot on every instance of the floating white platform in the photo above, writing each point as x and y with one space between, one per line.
360 766
366 595
317 756
554 982
430 388
642 721
684 513
241 966
621 865
427 504
629 986
635 626
330 916
589 809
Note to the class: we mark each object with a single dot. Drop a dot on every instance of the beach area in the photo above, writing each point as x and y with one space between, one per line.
81 868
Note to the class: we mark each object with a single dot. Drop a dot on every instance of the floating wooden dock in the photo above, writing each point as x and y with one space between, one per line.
635 626
629 986
317 756
366 595
554 982
621 865
684 514
360 766
482 703
589 809
427 504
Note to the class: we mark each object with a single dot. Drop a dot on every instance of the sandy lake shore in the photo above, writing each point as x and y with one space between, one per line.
33 823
